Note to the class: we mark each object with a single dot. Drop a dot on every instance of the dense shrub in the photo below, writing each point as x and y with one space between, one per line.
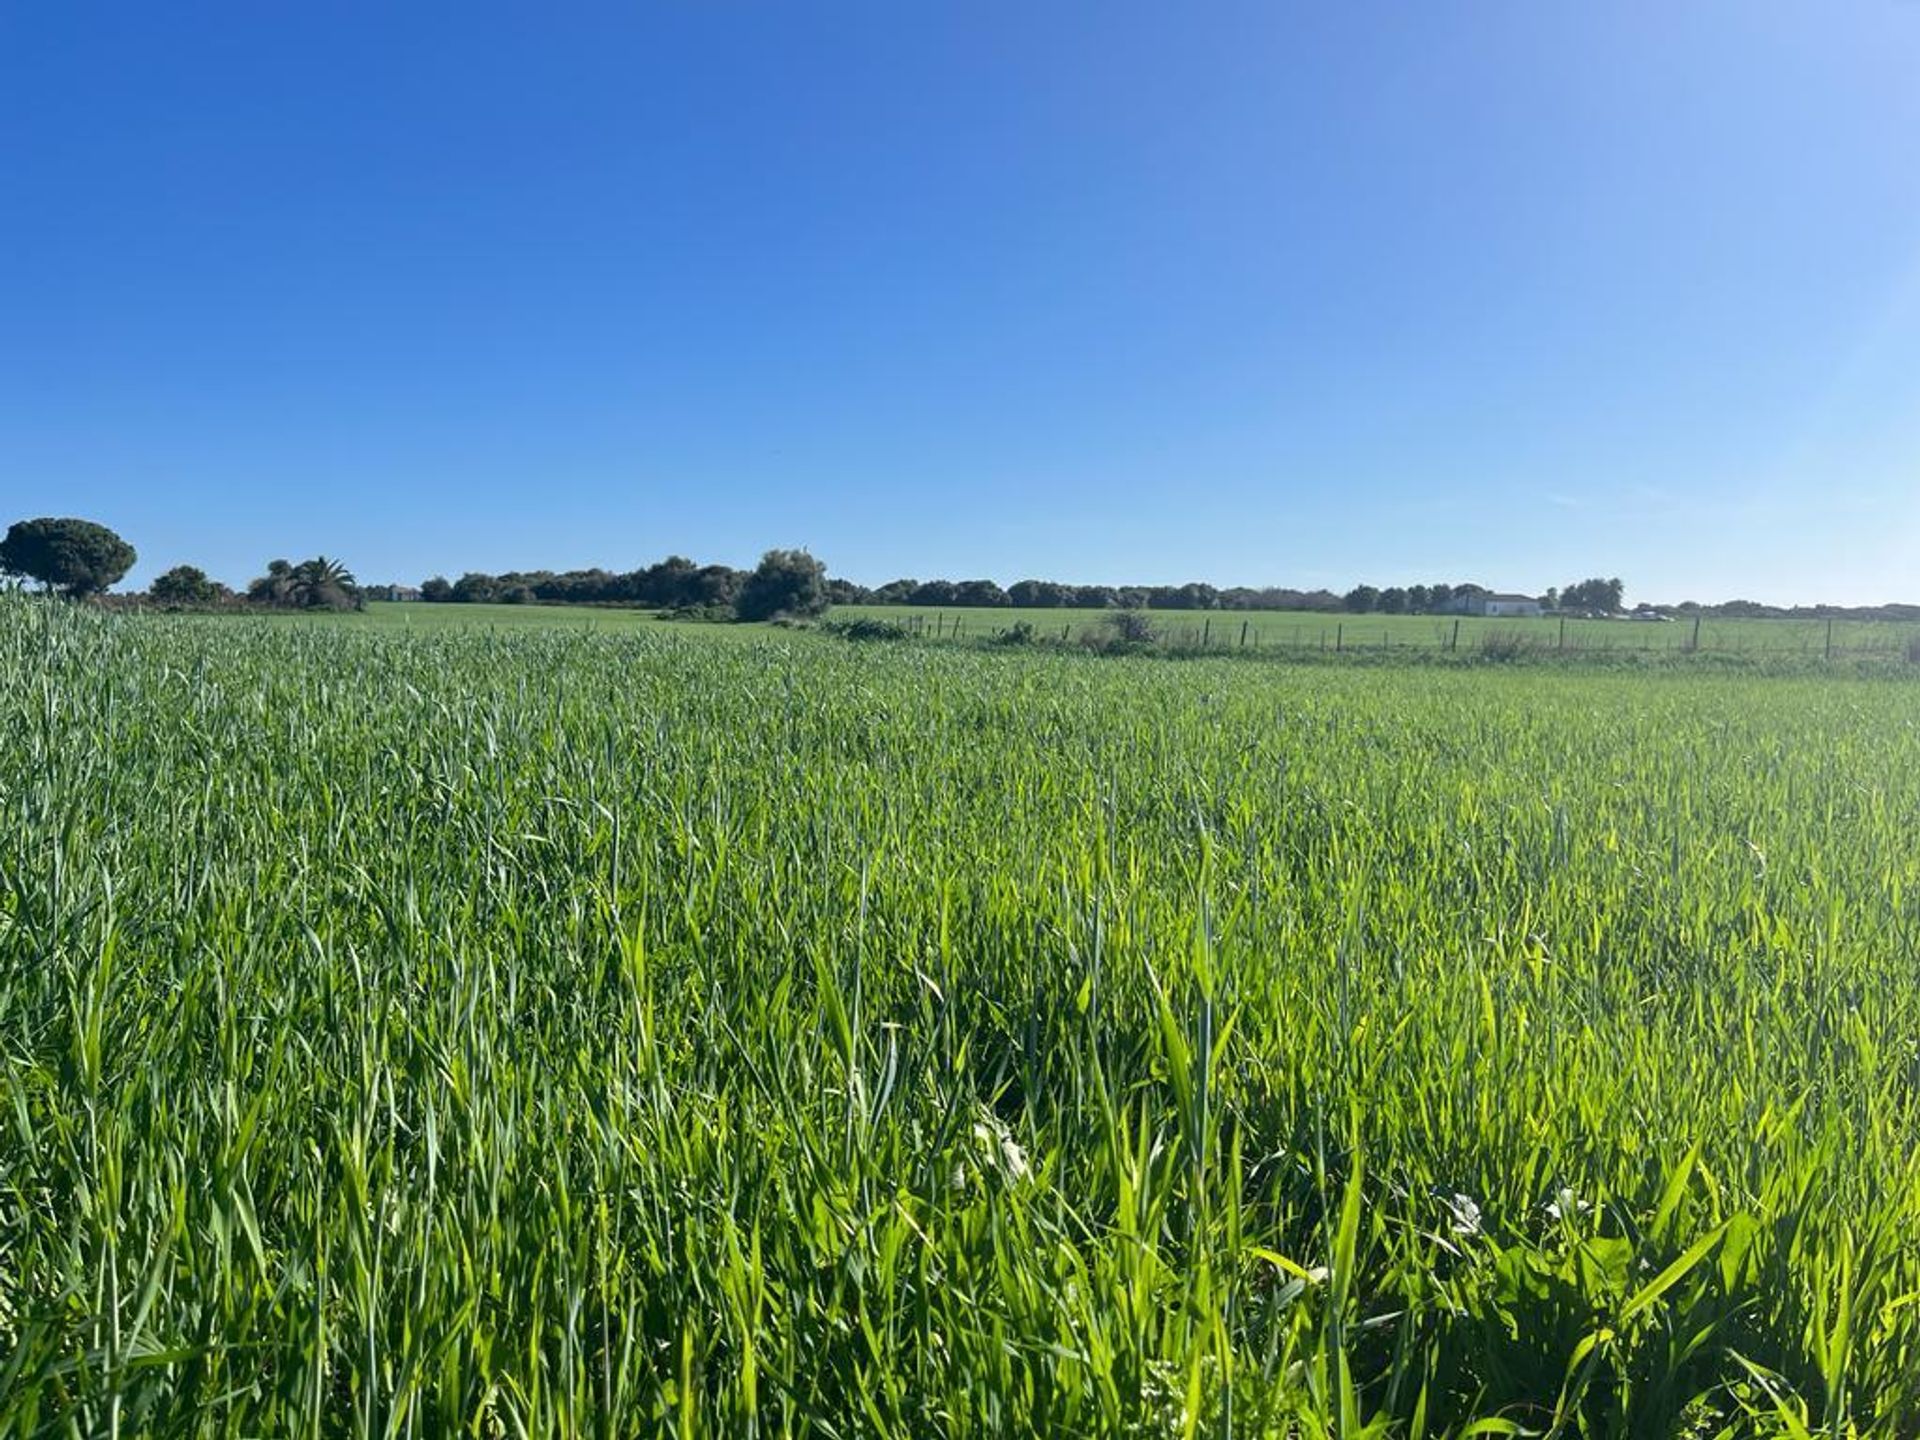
867 628
786 582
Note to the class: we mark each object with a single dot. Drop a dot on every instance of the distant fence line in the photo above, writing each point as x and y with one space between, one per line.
1829 639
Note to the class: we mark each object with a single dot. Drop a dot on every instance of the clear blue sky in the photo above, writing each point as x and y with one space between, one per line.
1251 293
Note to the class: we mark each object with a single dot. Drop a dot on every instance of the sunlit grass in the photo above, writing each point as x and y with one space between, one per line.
1296 631
611 1034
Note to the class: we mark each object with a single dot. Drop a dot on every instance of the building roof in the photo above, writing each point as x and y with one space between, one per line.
1525 599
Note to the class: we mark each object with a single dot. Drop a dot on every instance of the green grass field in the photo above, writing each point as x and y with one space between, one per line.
1221 630
1297 630
426 620
429 619
1278 631
420 1028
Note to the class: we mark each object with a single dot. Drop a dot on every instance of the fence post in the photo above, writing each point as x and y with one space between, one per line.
1829 639
1454 643
1339 637
1243 633
1563 632
1693 647
1206 632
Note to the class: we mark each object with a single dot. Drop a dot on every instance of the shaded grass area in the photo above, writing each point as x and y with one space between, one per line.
557 1033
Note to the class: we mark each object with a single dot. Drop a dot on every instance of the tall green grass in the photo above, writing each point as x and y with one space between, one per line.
600 1034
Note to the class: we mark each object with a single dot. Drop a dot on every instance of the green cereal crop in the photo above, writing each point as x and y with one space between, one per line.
608 1033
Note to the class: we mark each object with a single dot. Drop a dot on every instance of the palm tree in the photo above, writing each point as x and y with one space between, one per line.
320 577
322 584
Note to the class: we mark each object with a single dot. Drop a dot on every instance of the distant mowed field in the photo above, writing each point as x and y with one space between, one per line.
1292 629
416 615
423 1027
1220 629
420 618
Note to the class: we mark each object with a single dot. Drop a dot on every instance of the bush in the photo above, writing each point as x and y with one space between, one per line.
786 582
1503 646
867 628
1131 627
184 585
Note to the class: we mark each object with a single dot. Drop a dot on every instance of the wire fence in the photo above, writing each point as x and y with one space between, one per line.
1270 631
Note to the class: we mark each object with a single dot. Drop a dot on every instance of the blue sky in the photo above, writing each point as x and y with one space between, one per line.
1251 293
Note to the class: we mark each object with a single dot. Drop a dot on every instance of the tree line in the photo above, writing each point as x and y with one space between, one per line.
678 583
785 582
1596 595
81 559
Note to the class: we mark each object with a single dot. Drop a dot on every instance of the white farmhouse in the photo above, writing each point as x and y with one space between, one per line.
1485 602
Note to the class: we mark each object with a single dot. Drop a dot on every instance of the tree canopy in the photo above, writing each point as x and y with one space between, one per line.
185 585
321 583
1604 596
76 557
786 582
